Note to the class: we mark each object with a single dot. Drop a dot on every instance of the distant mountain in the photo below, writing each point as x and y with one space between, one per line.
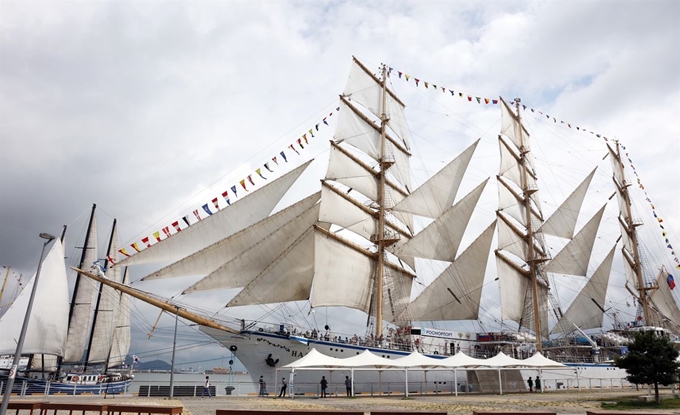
148 365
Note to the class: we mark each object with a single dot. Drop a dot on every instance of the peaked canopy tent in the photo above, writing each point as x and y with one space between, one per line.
369 361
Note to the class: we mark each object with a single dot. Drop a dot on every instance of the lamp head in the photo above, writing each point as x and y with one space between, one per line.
47 236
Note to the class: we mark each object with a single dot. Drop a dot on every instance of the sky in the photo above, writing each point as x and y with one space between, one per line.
149 108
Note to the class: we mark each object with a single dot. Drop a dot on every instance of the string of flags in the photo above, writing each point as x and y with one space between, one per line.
670 281
244 185
429 85
474 98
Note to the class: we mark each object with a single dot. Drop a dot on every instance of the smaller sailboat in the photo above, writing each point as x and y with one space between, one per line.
90 334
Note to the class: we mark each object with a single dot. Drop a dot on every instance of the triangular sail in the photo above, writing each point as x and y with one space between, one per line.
214 256
223 223
562 222
455 294
241 269
574 257
587 309
663 303
48 324
437 194
440 239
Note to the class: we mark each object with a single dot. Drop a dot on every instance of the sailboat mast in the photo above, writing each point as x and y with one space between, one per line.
82 263
384 165
531 257
631 229
97 302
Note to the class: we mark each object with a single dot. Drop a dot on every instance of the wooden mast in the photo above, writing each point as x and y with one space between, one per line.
631 230
531 257
166 306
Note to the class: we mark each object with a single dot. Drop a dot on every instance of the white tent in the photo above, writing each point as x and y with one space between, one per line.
416 359
502 360
314 359
538 360
460 359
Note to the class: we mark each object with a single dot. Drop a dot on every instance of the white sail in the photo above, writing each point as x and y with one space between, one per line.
513 286
80 321
287 278
510 127
587 309
663 302
221 224
121 339
48 323
455 294
106 314
562 222
437 194
214 256
343 275
336 209
440 239
574 257
240 269
510 203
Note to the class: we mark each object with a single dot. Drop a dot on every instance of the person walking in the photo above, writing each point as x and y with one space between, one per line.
530 382
206 387
348 386
538 384
284 386
324 386
263 386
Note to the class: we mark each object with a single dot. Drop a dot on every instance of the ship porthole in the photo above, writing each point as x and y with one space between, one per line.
233 348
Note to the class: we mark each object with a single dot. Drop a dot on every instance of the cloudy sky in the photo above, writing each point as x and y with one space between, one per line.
147 108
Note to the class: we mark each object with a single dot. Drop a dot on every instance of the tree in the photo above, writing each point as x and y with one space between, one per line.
651 359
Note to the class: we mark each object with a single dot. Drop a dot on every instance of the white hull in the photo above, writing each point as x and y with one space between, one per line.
253 348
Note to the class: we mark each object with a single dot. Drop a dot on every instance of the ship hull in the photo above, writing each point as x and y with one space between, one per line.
265 353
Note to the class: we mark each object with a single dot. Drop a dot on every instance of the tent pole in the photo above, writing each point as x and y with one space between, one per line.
500 381
455 380
406 383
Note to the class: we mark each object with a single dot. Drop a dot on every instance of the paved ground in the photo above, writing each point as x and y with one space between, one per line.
561 402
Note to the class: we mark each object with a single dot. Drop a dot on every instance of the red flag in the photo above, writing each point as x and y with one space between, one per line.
198 216
243 184
146 241
176 225
293 148
136 248
110 260
250 179
166 231
122 251
215 203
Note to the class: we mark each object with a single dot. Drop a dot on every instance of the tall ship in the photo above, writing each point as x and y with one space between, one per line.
89 328
494 240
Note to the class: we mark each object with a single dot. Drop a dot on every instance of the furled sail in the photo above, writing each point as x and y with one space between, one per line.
214 256
562 222
455 294
221 224
574 257
83 301
48 324
587 309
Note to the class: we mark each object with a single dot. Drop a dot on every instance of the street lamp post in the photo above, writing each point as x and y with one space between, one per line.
20 343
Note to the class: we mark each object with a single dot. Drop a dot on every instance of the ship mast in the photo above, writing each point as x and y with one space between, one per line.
384 165
630 227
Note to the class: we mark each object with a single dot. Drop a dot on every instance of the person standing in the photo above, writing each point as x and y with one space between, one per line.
284 386
530 382
263 386
324 386
206 387
538 384
348 386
